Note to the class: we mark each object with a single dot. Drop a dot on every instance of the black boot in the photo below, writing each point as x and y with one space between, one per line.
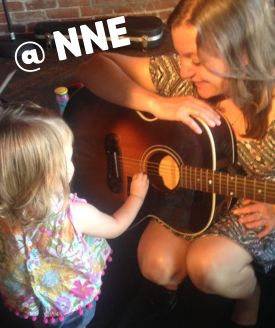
150 304
232 324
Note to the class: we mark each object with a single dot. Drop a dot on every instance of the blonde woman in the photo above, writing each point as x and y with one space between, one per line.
225 56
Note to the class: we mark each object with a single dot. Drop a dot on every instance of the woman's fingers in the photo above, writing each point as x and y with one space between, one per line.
255 215
199 108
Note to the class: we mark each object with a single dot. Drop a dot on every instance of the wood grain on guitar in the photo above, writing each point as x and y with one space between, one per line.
189 182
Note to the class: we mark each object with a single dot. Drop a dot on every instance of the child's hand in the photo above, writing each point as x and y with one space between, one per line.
139 185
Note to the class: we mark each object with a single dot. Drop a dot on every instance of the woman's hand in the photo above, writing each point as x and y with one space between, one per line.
139 185
257 215
184 109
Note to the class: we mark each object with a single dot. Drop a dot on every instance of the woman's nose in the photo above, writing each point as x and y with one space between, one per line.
187 71
189 67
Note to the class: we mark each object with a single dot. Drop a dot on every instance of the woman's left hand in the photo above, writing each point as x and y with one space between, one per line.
255 215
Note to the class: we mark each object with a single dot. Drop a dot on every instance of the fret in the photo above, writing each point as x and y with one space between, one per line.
190 177
195 179
181 178
213 181
185 176
227 184
244 188
265 190
206 180
201 179
231 193
220 180
259 191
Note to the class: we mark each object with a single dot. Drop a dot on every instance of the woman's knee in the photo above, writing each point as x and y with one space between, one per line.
202 270
207 268
212 268
156 268
161 255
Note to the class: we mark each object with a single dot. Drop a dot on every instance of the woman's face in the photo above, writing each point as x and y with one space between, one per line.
208 83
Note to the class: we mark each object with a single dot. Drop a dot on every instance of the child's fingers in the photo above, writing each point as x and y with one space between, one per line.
141 176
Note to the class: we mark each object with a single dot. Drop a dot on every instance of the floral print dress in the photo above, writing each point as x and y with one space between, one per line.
50 270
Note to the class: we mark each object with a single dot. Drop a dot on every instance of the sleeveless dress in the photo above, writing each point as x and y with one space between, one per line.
50 270
256 158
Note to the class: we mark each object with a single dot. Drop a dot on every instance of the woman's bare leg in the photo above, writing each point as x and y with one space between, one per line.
218 265
161 256
245 311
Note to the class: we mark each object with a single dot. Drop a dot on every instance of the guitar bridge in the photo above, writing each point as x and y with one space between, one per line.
114 178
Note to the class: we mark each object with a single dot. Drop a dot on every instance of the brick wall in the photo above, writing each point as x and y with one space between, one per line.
25 13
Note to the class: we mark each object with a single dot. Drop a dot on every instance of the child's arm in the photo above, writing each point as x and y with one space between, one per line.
91 221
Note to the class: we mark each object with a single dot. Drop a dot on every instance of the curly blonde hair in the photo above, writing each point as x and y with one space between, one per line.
33 170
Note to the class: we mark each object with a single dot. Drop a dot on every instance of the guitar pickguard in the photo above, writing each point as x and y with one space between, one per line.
114 175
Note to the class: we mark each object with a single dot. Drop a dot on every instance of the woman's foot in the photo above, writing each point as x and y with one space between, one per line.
245 311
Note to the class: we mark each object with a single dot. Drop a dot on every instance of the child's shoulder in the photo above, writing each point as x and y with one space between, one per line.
75 199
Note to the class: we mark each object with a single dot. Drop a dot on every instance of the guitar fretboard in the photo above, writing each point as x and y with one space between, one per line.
221 183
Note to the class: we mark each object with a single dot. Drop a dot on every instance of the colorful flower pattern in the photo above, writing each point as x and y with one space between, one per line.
51 266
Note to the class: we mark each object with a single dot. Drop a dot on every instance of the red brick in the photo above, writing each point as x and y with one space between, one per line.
93 12
26 12
28 16
13 6
103 2
73 3
40 4
2 19
63 13
127 10
157 5
3 29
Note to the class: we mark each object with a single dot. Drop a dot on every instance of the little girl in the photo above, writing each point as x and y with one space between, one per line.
52 248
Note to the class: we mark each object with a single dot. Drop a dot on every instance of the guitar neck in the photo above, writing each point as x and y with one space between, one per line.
221 183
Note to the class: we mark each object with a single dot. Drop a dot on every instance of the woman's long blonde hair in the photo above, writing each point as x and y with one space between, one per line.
234 30
33 163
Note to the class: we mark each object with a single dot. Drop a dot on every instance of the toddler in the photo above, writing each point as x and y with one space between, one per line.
53 251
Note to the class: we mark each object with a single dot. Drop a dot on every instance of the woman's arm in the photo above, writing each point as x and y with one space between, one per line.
89 220
120 79
126 81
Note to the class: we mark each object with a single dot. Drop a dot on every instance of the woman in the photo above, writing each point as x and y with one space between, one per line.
225 56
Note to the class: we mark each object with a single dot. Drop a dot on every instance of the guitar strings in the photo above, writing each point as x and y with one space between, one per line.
206 174
206 171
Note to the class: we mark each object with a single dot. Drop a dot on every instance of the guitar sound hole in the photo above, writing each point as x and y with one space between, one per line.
169 171
164 171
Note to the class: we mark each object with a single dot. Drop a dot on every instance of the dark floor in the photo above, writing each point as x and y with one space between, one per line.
123 281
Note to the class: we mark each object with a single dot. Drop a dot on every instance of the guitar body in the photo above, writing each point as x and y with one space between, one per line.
112 143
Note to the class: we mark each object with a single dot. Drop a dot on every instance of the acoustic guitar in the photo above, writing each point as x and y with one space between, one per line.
190 174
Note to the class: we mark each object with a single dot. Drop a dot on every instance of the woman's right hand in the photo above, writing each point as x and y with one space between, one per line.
185 109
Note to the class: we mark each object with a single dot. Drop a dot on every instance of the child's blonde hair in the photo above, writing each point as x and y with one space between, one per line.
33 163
